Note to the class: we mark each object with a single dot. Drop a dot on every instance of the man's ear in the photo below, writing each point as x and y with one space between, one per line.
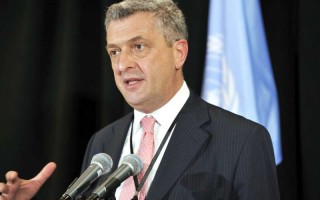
181 52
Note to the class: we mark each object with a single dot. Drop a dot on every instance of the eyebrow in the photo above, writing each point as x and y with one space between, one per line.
128 41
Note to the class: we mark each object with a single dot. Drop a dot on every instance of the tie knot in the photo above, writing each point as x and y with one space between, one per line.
148 124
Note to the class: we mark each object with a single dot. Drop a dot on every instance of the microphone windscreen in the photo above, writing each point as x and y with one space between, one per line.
134 162
104 161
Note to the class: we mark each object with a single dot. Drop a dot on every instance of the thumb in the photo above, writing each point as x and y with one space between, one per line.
45 173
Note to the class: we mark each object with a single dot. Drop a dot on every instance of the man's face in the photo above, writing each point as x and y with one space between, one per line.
147 71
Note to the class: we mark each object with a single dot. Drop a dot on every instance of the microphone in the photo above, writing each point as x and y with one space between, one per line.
101 163
130 166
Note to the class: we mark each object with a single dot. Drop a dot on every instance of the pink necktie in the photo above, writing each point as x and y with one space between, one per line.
145 153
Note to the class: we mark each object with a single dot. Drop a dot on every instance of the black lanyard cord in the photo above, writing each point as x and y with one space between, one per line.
154 159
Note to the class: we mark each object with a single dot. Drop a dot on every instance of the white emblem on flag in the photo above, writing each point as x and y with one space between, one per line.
223 92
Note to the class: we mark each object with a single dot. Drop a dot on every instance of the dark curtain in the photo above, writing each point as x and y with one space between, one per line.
57 87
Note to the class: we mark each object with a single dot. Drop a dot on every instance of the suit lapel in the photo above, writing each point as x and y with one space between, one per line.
186 141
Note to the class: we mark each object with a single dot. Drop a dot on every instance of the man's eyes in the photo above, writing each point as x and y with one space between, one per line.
139 46
114 52
136 49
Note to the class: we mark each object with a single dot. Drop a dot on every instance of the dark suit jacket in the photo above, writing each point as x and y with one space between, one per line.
212 154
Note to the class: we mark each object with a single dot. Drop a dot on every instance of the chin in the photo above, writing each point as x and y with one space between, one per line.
133 103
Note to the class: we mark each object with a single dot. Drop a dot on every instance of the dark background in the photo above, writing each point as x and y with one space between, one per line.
57 87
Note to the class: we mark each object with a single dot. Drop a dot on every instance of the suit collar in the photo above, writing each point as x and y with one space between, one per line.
187 140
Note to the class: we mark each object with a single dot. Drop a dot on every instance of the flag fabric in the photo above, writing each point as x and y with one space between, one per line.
238 75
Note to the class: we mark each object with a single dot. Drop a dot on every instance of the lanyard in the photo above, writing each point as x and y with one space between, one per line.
144 178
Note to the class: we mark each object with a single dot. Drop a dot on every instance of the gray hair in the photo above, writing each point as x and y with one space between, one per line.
169 19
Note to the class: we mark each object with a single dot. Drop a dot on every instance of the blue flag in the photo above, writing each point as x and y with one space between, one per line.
238 74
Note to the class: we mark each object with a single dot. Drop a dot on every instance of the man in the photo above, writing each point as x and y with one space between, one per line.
207 153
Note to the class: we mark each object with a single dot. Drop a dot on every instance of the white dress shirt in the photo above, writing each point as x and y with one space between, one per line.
164 117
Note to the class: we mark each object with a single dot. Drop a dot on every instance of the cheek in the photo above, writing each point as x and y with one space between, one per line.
115 69
117 79
159 78
157 69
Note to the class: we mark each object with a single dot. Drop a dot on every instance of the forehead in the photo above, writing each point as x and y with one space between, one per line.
139 24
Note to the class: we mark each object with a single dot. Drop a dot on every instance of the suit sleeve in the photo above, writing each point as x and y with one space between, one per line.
255 175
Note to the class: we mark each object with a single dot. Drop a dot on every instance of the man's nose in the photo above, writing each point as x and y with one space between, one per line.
125 61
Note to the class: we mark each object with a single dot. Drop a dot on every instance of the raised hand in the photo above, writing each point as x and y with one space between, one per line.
21 189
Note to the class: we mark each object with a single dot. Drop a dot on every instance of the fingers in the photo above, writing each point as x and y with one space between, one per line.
3 197
15 188
4 188
11 177
45 173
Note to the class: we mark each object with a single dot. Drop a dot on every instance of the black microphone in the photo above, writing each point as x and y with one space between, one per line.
130 166
101 163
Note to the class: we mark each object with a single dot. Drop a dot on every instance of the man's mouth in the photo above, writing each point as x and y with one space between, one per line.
132 81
